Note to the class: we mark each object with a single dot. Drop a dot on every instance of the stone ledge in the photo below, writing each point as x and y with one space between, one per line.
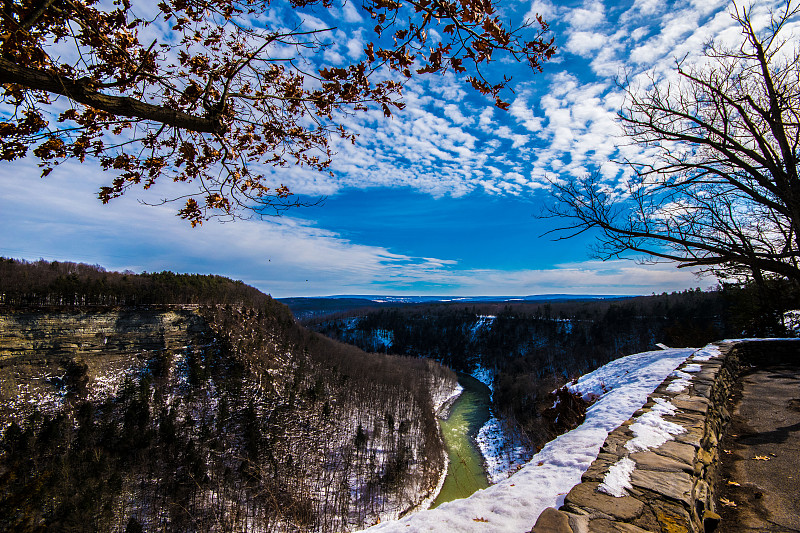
672 483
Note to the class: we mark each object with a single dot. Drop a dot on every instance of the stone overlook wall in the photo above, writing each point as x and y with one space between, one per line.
656 471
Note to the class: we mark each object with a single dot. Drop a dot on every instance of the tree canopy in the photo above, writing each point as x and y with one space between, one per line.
718 185
212 92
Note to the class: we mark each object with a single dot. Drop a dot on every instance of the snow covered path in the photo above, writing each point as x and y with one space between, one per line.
514 504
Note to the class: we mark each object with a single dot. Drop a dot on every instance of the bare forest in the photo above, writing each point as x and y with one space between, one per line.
530 349
254 425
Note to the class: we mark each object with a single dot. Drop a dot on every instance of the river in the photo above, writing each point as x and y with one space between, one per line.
465 472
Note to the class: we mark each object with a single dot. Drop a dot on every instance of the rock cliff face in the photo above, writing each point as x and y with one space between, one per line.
209 418
46 353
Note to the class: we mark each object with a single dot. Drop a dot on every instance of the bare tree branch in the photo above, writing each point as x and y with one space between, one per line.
82 91
224 94
723 192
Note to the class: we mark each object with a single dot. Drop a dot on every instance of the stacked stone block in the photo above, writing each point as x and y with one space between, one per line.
671 484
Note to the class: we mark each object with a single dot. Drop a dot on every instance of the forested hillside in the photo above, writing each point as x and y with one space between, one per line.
244 421
78 284
531 349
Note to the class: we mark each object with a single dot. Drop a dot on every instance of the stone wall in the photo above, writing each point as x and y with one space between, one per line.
656 471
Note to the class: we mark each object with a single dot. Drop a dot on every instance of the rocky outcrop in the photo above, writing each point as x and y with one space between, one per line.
42 349
235 419
656 471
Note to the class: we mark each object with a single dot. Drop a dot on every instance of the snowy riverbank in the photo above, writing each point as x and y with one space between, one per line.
515 503
443 402
441 407
443 397
503 453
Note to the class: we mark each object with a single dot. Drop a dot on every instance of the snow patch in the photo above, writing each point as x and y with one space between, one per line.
651 431
515 503
483 322
447 397
680 384
485 376
707 352
618 478
502 453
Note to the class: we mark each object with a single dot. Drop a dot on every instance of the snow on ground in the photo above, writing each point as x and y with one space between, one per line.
680 384
484 321
446 396
650 430
515 503
502 453
618 478
485 376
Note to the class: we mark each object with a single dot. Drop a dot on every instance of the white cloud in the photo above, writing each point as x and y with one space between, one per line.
355 46
589 277
331 55
486 115
63 220
583 43
643 8
453 112
648 7
638 33
591 15
579 132
545 8
312 23
517 140
447 142
524 114
59 218
350 13
660 46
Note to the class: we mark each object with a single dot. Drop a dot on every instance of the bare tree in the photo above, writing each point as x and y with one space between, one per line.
720 188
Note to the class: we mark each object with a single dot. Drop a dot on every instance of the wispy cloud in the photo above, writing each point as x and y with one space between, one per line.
447 143
563 122
283 256
590 15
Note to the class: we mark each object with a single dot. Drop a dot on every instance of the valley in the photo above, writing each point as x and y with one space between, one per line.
525 349
169 402
465 464
202 416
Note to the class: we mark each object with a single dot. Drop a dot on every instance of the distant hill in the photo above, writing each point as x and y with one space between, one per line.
308 307
304 308
426 299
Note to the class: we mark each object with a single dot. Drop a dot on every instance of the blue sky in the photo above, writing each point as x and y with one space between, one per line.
440 199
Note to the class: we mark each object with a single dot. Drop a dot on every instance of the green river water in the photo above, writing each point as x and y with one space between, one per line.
465 472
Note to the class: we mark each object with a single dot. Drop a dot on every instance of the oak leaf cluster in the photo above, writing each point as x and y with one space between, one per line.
215 92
